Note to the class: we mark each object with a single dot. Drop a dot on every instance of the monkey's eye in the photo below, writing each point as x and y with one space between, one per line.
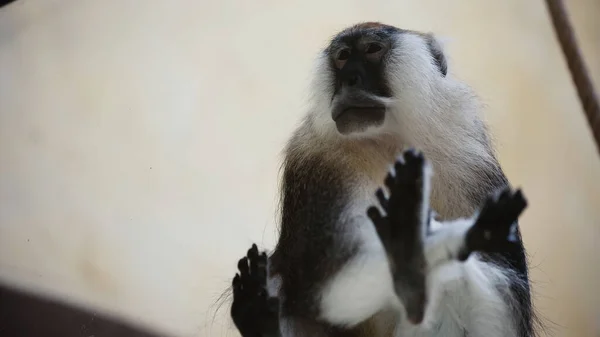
343 55
373 48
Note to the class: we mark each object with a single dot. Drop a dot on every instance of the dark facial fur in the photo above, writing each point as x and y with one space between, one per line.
358 57
357 63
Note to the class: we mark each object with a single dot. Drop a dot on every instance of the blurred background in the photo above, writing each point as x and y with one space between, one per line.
140 143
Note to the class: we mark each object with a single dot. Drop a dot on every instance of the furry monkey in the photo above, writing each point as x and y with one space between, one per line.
350 262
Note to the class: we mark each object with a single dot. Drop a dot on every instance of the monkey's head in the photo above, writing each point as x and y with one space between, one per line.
374 78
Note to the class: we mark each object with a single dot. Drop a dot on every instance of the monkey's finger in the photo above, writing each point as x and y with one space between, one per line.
504 196
510 211
381 224
253 258
236 284
252 252
518 195
383 201
488 213
399 167
243 267
412 156
518 203
374 214
389 180
261 260
260 273
236 280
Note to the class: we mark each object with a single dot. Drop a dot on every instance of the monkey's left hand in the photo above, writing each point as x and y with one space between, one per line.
495 229
253 312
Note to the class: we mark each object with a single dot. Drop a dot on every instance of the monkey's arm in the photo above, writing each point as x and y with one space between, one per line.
492 231
402 230
431 262
254 313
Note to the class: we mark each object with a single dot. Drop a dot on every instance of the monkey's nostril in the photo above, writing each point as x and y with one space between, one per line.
354 80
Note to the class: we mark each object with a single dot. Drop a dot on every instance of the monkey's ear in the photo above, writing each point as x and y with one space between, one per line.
435 48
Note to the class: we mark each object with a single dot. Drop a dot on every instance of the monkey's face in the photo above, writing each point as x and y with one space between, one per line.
371 71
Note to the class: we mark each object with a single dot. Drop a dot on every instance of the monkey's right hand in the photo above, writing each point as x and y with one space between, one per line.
253 312
402 229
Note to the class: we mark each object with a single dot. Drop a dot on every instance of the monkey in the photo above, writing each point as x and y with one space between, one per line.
337 268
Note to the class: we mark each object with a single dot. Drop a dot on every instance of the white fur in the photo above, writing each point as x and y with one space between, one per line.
434 114
363 287
444 243
462 295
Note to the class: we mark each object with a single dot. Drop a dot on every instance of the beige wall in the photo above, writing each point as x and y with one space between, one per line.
138 159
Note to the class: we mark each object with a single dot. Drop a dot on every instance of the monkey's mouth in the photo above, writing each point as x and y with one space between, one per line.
359 112
357 118
356 110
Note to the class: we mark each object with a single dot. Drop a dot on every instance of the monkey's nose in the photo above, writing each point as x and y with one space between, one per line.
354 80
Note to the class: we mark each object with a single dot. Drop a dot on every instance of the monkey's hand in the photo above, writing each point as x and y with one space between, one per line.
495 229
253 312
402 230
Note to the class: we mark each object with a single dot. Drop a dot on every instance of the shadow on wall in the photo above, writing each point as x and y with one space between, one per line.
56 319
5 2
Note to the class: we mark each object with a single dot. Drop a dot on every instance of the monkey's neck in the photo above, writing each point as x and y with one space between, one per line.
465 169
456 141
460 183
